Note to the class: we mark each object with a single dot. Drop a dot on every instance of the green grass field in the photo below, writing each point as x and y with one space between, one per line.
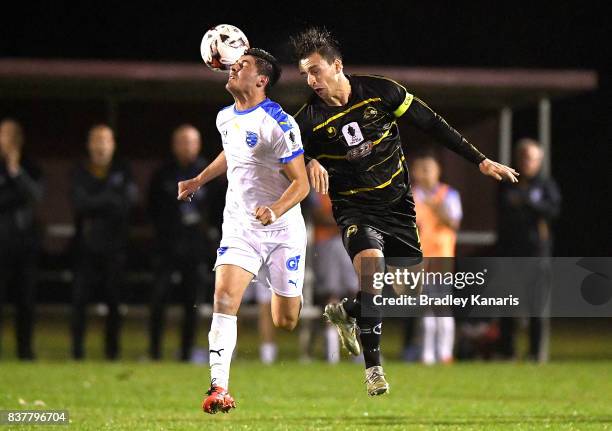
567 396
573 392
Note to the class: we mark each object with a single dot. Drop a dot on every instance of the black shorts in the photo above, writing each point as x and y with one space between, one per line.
390 228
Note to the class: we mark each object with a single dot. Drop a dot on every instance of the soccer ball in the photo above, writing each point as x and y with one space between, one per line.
222 46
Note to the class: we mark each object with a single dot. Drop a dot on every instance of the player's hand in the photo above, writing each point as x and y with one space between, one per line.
317 174
498 171
187 188
265 215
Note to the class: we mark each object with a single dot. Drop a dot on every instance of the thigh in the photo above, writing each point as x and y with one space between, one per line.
285 308
230 283
240 248
358 237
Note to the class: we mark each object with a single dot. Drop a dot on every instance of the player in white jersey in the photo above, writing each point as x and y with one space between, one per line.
263 228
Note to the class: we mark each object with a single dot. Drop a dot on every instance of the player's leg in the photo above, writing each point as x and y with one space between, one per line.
369 318
364 246
230 283
286 267
285 311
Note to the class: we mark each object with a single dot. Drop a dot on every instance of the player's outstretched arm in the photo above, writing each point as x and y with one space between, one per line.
188 187
295 193
433 124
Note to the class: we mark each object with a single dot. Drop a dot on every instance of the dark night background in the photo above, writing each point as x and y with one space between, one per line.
462 34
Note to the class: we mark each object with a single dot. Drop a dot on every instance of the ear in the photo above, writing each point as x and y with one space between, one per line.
338 66
262 81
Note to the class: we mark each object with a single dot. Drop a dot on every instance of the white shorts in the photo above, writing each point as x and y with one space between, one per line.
276 257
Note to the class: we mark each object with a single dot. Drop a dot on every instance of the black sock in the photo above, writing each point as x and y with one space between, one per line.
370 328
353 307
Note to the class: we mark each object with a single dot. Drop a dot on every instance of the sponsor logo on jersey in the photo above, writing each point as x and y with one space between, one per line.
352 229
251 139
293 142
331 132
293 263
221 251
369 113
359 152
352 134
294 282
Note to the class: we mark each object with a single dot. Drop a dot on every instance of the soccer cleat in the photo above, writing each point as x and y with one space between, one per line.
346 326
375 381
218 400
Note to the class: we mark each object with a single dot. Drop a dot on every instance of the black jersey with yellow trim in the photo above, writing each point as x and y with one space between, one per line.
359 143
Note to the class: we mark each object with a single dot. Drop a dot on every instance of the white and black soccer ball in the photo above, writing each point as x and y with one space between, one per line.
222 46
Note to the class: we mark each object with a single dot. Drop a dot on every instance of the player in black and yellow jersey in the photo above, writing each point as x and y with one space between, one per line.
350 135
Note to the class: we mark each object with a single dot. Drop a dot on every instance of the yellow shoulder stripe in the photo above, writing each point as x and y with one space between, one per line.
346 111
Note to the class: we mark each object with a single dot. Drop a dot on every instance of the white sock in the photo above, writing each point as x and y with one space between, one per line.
332 344
267 353
429 339
446 337
221 344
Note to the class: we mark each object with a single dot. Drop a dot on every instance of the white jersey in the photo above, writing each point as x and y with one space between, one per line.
257 142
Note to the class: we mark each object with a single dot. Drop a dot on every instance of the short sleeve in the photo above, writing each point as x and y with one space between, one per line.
287 142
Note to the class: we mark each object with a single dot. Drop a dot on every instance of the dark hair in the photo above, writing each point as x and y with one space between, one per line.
425 154
316 39
267 64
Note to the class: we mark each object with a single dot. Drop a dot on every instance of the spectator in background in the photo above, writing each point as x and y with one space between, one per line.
439 213
20 190
183 248
335 276
102 194
526 210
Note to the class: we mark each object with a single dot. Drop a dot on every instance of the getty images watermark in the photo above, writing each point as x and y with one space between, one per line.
435 280
491 286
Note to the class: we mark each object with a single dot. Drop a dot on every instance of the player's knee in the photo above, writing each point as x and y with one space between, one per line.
285 322
225 302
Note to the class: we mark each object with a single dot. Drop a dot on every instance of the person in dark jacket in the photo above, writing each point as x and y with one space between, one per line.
184 253
20 190
102 194
526 210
